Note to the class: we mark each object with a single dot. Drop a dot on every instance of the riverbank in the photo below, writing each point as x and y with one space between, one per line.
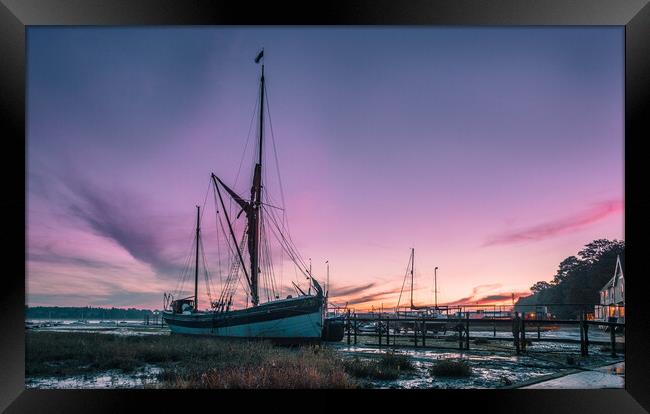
168 361
68 359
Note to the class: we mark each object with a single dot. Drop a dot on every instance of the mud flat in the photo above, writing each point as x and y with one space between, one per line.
72 359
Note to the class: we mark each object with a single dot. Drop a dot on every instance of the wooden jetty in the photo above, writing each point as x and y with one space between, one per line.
423 331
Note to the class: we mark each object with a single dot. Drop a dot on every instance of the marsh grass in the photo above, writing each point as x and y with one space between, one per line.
186 362
388 366
451 368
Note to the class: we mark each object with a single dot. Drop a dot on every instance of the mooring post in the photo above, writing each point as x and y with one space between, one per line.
415 332
350 326
379 329
523 332
387 330
515 331
424 331
586 337
467 331
612 334
459 328
539 335
582 334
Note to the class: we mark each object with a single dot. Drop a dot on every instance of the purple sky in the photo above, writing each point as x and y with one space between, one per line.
494 152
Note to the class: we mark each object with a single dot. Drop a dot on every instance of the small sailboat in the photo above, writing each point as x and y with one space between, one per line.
434 312
292 319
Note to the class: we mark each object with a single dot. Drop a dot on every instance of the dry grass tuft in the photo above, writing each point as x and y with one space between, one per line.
186 362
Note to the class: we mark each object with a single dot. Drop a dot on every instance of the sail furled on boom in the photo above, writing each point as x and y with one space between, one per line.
245 205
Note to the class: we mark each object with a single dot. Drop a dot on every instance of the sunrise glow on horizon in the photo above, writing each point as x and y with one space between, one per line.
494 152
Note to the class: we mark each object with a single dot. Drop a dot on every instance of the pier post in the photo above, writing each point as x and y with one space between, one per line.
582 334
523 332
586 325
415 332
355 328
539 335
467 331
459 328
379 329
612 335
350 326
515 331
388 330
424 331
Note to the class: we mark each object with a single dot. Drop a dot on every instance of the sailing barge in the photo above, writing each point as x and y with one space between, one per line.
292 319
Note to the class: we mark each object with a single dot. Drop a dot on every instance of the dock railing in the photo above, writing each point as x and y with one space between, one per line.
408 329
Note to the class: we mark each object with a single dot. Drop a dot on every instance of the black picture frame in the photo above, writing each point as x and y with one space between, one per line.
17 15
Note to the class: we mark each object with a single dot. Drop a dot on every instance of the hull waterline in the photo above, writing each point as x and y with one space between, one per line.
299 319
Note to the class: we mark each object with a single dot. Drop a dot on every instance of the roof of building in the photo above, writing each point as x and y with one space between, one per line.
618 274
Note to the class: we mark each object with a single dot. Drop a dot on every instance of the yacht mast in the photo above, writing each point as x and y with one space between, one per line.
256 200
196 267
412 267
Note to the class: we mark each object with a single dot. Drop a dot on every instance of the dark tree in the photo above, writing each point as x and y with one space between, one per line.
578 280
540 286
567 265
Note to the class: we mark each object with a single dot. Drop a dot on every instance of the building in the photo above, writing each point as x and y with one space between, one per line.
612 297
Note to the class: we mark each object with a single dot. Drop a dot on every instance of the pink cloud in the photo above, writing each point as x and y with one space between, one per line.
560 226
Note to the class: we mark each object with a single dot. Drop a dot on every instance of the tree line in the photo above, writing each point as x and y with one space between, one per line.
577 282
69 312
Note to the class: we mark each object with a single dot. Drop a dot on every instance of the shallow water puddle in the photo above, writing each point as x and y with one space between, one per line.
109 379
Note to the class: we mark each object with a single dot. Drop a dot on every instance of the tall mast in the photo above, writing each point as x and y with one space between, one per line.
327 288
256 199
412 267
435 286
196 267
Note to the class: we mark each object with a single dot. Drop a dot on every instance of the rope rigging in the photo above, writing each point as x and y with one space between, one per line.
235 254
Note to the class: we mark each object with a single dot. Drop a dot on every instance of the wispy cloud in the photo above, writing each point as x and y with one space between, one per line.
373 297
337 292
558 227
118 215
487 299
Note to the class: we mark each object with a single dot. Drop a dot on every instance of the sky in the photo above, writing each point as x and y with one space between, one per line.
494 152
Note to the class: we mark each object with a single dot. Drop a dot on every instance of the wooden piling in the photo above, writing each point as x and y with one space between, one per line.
467 331
349 326
612 335
355 328
539 334
379 329
523 332
424 331
582 334
586 338
415 332
515 331
387 330
459 328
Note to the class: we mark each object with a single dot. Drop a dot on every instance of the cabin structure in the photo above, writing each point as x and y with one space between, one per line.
612 297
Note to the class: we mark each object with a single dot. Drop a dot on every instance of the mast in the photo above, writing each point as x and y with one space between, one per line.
412 267
196 267
435 286
327 289
256 200
309 291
